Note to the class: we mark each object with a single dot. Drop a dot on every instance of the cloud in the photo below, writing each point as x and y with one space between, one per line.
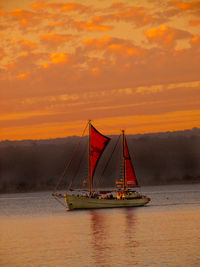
80 25
190 7
28 20
98 43
195 44
74 7
38 6
194 22
22 75
27 45
195 84
107 62
3 13
126 50
159 88
149 89
20 13
64 7
91 26
113 46
53 40
2 54
24 17
166 36
55 24
138 15
59 58
186 5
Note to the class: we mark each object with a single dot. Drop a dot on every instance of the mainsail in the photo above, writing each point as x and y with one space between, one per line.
129 171
98 142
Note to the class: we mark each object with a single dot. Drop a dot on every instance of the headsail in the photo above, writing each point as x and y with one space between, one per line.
129 171
98 142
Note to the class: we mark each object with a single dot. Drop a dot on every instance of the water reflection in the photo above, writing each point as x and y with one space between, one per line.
99 235
130 225
130 235
113 236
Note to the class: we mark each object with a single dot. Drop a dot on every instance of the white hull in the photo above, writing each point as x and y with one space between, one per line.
76 202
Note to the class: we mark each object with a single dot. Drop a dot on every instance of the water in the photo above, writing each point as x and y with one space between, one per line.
37 231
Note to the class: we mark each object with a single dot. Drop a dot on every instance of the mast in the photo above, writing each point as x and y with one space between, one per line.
89 159
124 161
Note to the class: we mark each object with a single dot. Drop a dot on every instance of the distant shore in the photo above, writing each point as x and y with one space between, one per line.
10 190
158 159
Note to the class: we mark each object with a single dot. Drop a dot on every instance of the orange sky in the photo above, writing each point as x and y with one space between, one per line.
130 64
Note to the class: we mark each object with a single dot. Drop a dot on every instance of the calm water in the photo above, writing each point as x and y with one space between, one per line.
37 231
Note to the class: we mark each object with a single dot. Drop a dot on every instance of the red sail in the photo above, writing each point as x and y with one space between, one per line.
98 142
130 173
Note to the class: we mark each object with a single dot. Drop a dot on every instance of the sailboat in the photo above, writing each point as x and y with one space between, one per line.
125 196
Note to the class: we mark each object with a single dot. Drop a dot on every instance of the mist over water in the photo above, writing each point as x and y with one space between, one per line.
37 231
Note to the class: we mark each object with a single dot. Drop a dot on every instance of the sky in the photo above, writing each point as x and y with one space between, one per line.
131 64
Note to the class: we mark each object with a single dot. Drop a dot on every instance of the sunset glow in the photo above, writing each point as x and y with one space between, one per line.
126 64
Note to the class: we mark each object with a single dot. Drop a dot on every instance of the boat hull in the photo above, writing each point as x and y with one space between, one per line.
79 202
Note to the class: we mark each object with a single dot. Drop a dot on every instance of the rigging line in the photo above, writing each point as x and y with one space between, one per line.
78 167
70 161
99 178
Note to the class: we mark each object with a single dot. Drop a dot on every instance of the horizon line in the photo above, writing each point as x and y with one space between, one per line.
65 137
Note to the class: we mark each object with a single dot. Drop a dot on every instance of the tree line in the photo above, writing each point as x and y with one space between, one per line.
163 158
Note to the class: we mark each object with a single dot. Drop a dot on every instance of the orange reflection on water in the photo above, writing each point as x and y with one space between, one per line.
114 237
99 238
